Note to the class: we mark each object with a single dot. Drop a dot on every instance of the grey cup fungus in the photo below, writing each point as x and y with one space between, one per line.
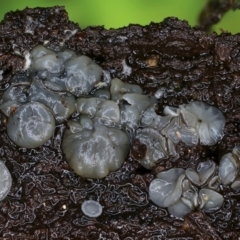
174 189
162 189
94 150
31 125
92 208
166 189
13 97
156 146
210 200
5 181
179 124
208 120
60 102
179 209
76 74
204 171
119 88
229 168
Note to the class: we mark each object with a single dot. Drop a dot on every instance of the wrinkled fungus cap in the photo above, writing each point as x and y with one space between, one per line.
5 181
208 120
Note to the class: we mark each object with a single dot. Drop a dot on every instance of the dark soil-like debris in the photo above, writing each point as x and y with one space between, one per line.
186 63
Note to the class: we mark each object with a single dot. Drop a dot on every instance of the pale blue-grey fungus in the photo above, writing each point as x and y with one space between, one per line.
129 117
236 184
177 131
119 88
214 183
45 62
5 181
179 209
139 101
156 146
76 74
54 97
82 74
189 195
12 98
210 200
87 106
166 189
150 118
171 111
92 208
103 93
16 92
202 174
174 189
182 132
229 169
31 125
132 106
9 107
229 166
98 107
208 120
188 123
66 54
94 150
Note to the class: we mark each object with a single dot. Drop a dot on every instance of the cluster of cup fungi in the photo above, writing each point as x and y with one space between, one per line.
110 115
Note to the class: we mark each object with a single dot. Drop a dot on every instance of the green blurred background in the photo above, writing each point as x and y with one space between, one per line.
118 13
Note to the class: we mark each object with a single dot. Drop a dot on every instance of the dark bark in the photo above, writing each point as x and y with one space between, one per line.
186 63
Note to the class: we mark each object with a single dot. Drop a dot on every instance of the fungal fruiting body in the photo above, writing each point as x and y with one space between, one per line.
31 125
188 123
91 208
183 191
5 181
110 114
92 149
208 120
229 169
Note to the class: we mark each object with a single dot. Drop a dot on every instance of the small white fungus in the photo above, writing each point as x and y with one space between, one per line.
5 181
27 60
92 208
